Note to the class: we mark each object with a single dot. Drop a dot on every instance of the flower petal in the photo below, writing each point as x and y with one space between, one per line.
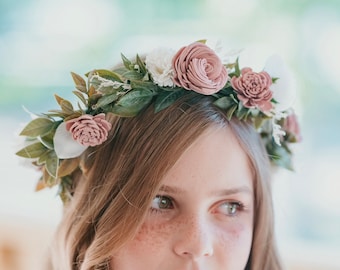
283 89
64 145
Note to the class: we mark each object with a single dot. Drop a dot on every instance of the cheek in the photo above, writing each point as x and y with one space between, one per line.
152 238
236 239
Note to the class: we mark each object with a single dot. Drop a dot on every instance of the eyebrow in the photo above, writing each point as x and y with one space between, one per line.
222 192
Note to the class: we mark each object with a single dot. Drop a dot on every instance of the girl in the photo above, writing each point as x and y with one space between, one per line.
166 165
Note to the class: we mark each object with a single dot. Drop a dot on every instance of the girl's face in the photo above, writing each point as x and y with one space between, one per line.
202 217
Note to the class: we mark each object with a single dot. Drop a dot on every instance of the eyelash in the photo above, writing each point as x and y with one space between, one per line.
235 206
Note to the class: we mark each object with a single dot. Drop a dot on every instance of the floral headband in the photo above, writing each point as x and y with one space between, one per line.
56 140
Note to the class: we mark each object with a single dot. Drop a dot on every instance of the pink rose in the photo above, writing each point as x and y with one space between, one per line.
198 68
292 128
89 130
252 89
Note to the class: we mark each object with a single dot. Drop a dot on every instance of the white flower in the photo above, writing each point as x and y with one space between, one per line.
159 64
64 145
283 89
277 133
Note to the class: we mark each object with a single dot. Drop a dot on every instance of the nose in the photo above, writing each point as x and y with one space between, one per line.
194 239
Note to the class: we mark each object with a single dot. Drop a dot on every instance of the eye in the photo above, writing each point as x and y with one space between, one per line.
161 203
231 208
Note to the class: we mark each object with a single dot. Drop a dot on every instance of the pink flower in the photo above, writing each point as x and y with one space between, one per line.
198 68
292 128
252 89
89 130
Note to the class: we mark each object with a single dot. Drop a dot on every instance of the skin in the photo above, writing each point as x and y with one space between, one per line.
202 217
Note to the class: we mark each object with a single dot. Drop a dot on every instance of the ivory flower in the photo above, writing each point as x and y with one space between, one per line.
158 63
283 90
64 145
198 68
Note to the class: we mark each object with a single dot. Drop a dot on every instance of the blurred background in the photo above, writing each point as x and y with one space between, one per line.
42 41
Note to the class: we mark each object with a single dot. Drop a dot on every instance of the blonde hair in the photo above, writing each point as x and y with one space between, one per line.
118 180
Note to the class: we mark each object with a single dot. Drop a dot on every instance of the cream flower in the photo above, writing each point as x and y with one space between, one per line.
283 89
159 64
64 145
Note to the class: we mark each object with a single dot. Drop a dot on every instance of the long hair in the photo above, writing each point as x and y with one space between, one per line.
118 180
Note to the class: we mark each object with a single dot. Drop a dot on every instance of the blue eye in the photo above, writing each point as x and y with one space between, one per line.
231 208
161 203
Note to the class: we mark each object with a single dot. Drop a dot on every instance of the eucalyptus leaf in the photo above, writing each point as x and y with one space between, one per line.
166 98
32 151
38 127
105 100
52 163
133 75
225 103
132 103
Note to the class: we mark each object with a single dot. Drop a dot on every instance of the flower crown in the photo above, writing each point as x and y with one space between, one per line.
56 140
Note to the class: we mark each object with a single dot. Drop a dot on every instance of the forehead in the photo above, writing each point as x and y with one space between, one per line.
214 160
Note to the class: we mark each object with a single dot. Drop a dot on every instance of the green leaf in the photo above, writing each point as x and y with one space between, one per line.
52 163
32 151
141 65
237 68
127 63
105 100
108 74
166 98
79 82
133 75
38 127
204 41
242 112
67 166
47 140
225 103
42 159
48 179
231 111
132 103
66 106
279 155
81 97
